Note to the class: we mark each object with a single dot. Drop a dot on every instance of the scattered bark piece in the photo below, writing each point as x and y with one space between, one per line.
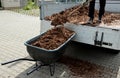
84 69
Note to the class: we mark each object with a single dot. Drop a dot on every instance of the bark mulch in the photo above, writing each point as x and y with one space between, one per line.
79 15
53 38
84 69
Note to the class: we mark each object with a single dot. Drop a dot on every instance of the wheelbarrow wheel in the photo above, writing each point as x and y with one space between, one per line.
52 69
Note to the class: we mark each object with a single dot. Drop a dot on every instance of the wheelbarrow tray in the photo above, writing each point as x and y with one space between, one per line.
44 55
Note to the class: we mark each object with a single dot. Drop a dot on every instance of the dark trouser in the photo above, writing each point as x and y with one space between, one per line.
101 9
0 4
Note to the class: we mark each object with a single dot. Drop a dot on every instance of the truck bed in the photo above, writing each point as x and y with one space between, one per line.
103 35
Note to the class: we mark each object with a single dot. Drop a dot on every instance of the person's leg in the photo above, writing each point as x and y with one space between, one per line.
102 8
91 9
91 12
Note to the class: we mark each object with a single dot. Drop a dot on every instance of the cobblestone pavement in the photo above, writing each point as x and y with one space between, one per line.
15 29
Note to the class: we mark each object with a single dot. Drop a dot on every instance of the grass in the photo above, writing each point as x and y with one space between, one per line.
32 12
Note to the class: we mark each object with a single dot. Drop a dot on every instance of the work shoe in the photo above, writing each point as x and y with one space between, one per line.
90 21
99 21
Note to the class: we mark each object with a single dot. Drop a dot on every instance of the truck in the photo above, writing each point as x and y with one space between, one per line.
101 36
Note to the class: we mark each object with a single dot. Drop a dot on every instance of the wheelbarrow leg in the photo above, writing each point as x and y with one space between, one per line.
52 69
37 64
36 68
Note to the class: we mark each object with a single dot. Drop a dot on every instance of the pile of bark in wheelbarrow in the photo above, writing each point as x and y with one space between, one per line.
79 15
53 38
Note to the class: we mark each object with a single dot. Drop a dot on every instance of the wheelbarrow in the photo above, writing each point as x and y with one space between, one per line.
41 56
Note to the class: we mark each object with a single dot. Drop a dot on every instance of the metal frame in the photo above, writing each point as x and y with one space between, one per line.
37 66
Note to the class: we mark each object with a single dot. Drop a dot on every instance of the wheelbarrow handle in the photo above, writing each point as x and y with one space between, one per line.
17 60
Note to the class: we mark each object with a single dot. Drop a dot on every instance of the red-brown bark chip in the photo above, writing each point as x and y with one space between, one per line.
84 69
79 16
53 38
